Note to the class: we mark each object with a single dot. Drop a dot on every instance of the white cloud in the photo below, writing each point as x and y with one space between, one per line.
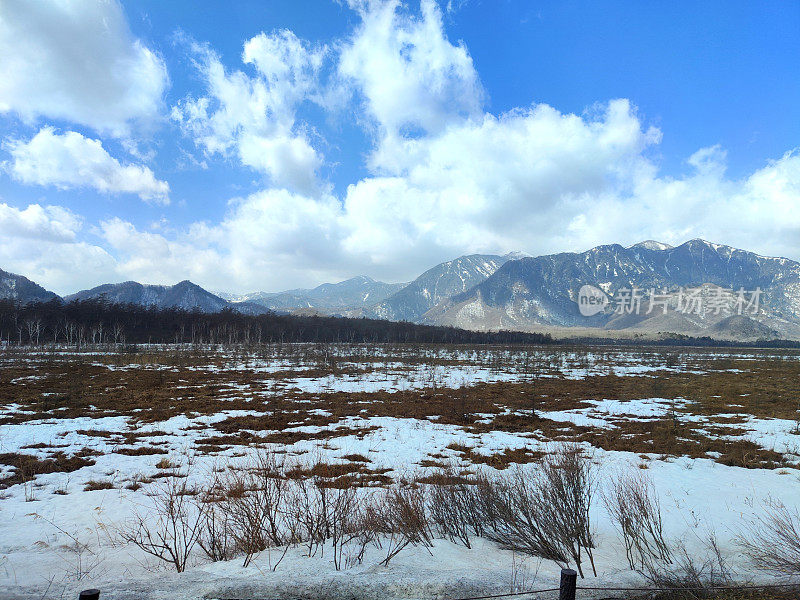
41 243
412 78
36 222
255 116
70 160
77 61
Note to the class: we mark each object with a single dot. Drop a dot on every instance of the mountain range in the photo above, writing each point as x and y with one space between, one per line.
515 291
185 295
345 296
543 291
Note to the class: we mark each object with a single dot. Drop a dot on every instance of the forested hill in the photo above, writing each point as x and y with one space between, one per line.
95 321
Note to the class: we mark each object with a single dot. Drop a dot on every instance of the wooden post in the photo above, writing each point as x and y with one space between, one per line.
89 595
569 581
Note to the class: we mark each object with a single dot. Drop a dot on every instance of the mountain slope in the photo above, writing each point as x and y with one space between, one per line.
437 284
22 289
544 290
349 295
185 295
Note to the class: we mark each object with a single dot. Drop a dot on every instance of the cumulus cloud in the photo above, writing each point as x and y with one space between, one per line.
412 79
70 160
255 116
77 61
36 222
42 243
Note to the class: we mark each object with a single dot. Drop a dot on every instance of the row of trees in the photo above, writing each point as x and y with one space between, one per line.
99 322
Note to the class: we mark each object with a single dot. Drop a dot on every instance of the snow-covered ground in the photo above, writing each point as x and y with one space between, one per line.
57 538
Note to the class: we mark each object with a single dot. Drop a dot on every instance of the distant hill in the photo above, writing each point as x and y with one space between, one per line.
185 295
332 298
22 289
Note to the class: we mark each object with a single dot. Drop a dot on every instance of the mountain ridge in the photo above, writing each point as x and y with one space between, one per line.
184 295
20 288
542 291
515 291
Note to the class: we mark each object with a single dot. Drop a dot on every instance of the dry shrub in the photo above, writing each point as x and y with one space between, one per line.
568 489
254 510
772 541
346 520
94 485
309 512
216 536
170 530
690 575
453 507
402 515
546 513
635 510
27 466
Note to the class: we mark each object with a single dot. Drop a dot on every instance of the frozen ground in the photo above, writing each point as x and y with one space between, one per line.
56 537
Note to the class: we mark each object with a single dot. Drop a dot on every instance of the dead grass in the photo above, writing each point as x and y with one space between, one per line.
140 451
94 485
154 386
25 467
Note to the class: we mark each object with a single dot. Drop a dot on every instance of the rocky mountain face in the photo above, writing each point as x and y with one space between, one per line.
184 295
22 289
437 285
332 298
544 291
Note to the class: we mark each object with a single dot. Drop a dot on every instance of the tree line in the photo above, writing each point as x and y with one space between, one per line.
98 321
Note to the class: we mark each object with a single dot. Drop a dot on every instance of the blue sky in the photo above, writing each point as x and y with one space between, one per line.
269 145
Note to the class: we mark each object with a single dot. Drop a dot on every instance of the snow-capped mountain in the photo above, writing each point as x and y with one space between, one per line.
544 290
185 295
22 289
438 284
349 295
521 292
